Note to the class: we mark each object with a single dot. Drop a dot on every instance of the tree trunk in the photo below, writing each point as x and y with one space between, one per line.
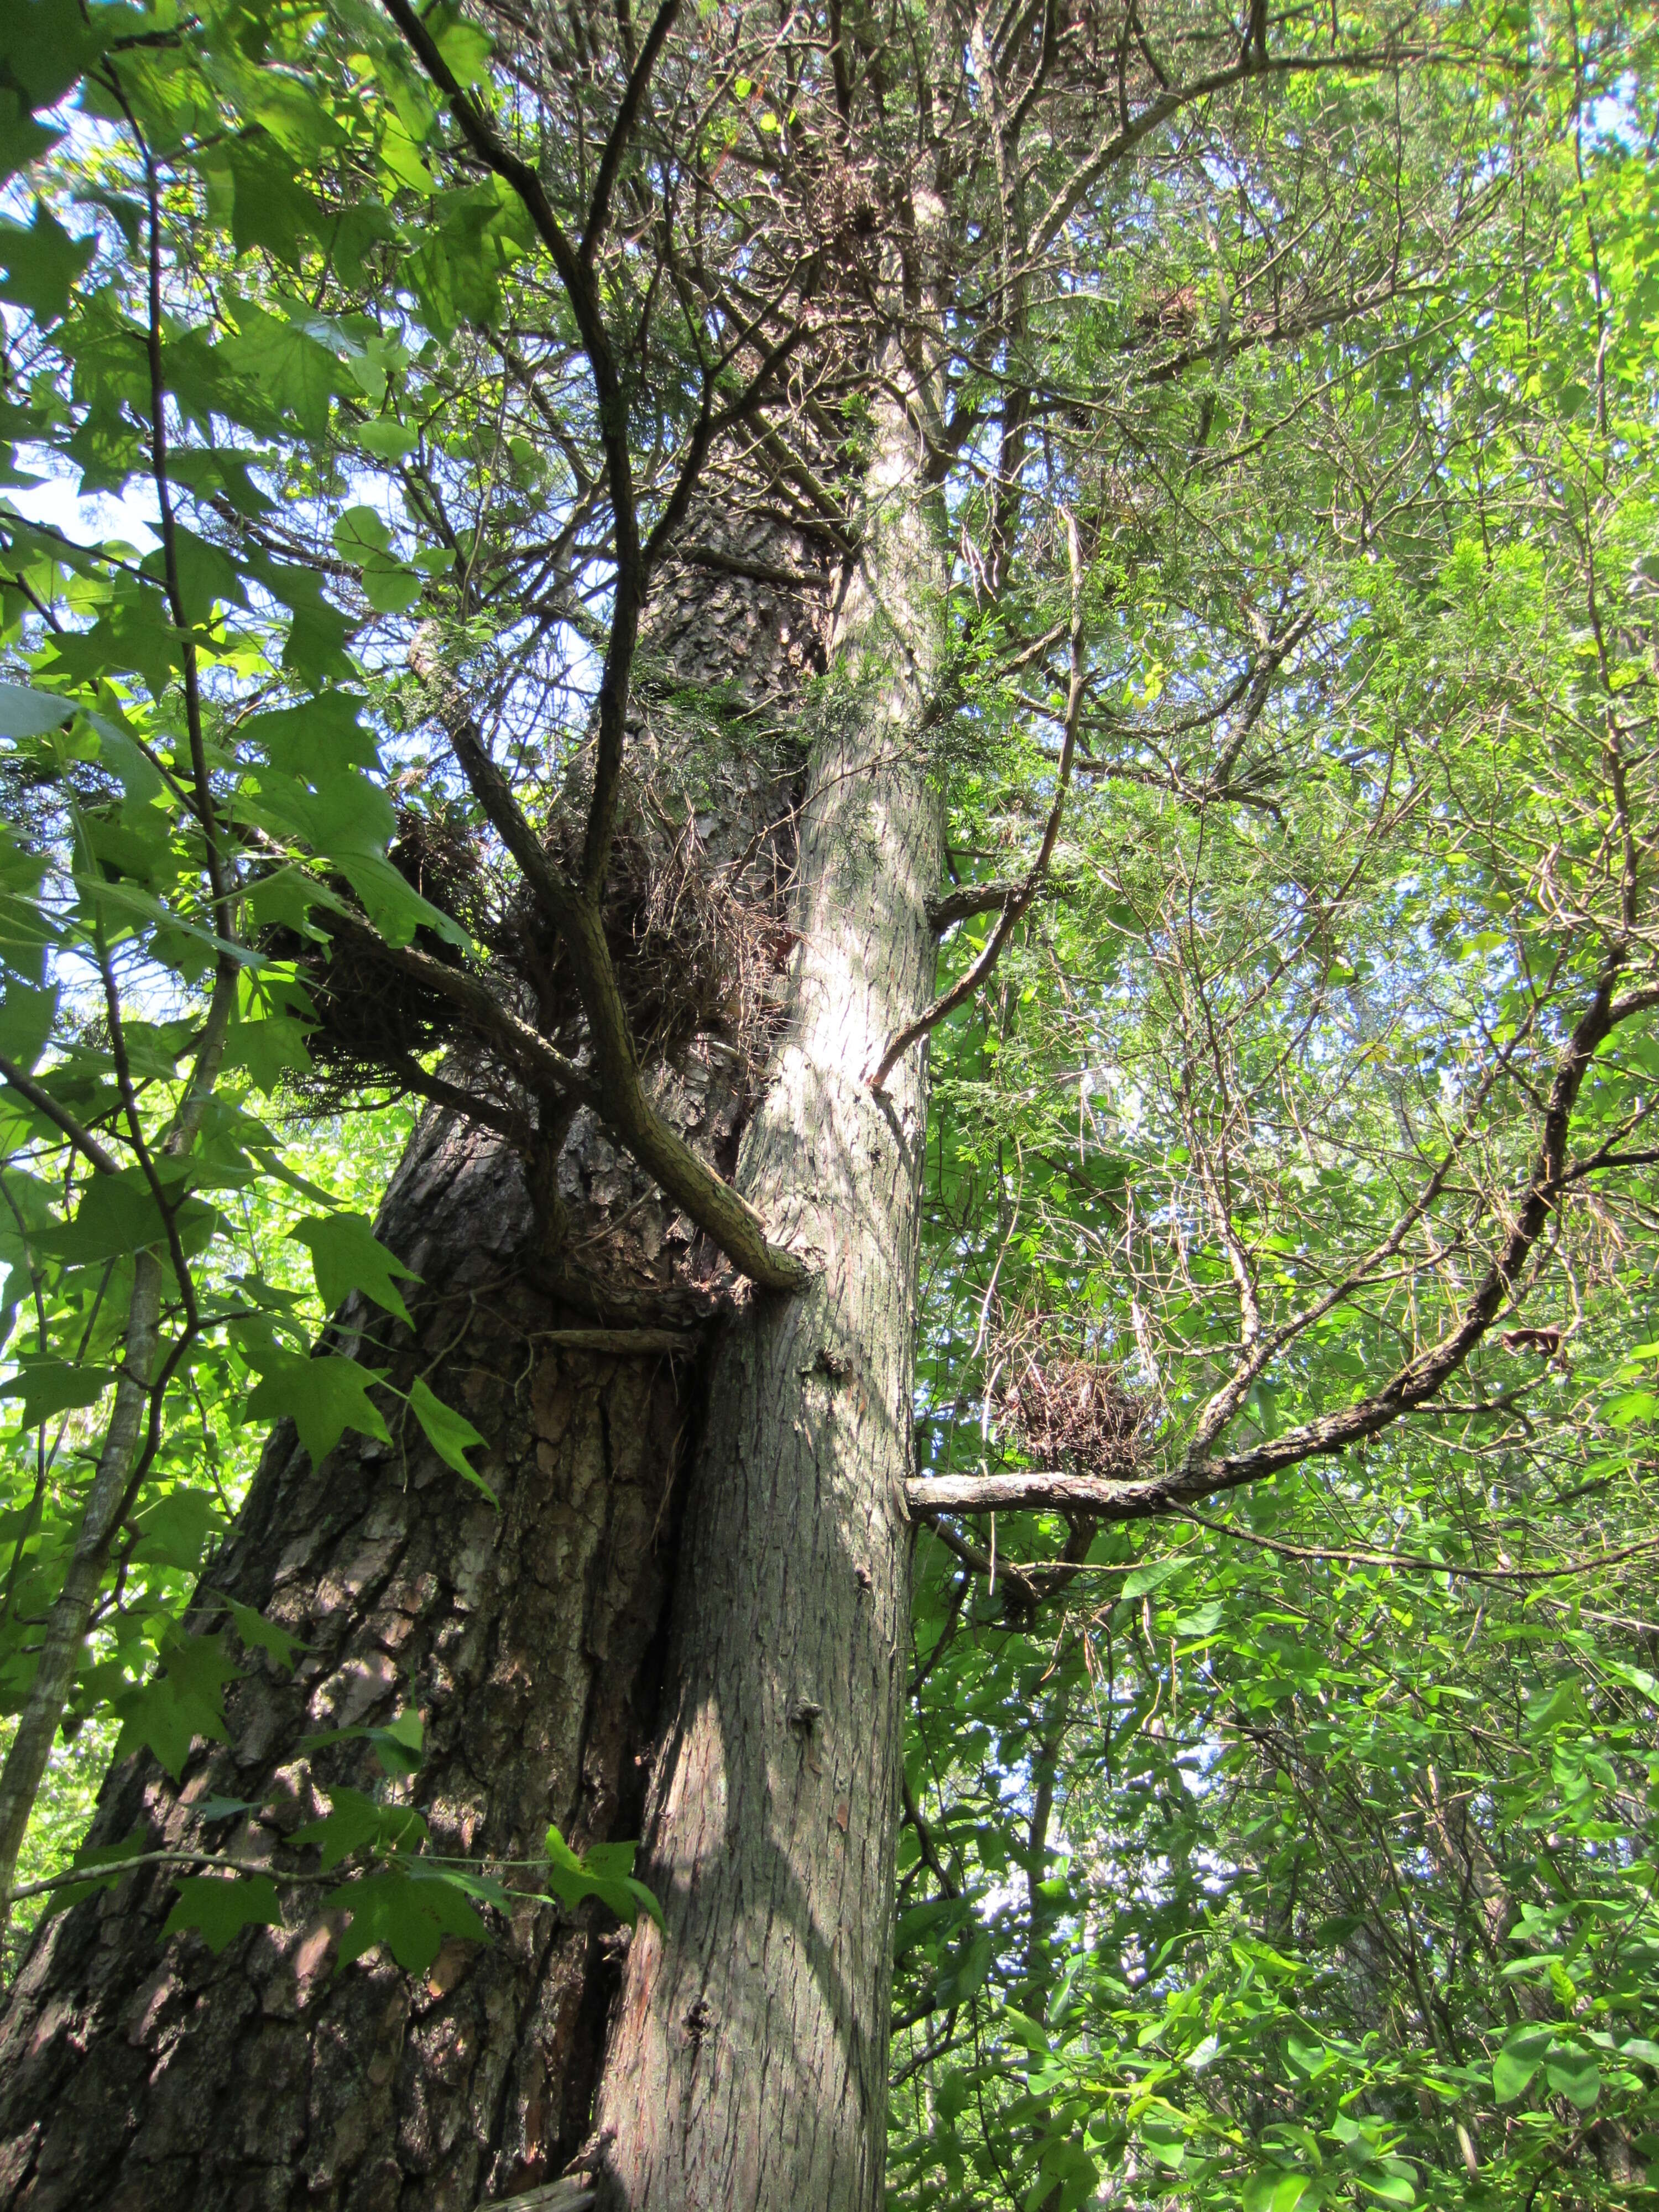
748 2064
146 2077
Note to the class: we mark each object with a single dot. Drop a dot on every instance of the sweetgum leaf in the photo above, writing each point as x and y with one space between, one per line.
217 1907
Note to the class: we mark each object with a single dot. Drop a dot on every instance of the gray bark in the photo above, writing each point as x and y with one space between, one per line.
139 2074
748 2062
747 2054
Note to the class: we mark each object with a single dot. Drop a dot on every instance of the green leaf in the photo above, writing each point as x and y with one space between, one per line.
27 714
45 45
387 438
1025 2030
1277 2193
118 1215
574 1879
356 1823
1151 1576
23 140
41 264
466 48
48 1387
268 206
184 1699
174 1530
324 1395
281 358
360 536
346 1255
218 1907
398 1745
1575 2076
26 1019
1164 2137
449 1434
269 1048
206 573
394 906
315 741
1517 2061
258 1634
410 1914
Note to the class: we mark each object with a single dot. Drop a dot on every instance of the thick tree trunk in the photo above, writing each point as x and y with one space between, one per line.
137 2073
151 2077
748 2066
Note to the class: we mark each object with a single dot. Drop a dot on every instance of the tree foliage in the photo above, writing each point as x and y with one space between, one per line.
1290 387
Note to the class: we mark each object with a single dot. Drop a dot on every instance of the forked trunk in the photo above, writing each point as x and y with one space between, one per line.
744 2062
749 2064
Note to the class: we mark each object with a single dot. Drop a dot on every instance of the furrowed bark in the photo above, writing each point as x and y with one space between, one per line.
147 2077
748 2064
139 2073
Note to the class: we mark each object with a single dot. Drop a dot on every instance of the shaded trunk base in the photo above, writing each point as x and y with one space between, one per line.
144 2077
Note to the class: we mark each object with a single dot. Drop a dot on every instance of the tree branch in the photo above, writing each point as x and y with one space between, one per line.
1015 905
614 1089
60 1117
970 899
621 129
576 275
1198 1476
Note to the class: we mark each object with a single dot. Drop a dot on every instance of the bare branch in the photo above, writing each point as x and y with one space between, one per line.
60 1117
1015 906
621 129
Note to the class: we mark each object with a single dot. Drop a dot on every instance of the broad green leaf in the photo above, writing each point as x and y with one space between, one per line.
1152 1577
449 1434
258 1634
398 1745
41 264
118 1215
28 714
324 1395
355 1823
410 1914
175 1529
281 359
49 1386
347 1256
387 438
182 1700
217 1907
1517 2061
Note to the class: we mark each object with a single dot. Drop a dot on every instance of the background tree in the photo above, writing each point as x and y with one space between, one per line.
1136 383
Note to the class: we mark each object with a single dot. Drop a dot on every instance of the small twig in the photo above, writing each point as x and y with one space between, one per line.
82 1139
73 1875
1016 905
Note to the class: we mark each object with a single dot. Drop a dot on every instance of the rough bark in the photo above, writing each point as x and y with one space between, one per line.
747 2055
136 2073
748 2063
144 2076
